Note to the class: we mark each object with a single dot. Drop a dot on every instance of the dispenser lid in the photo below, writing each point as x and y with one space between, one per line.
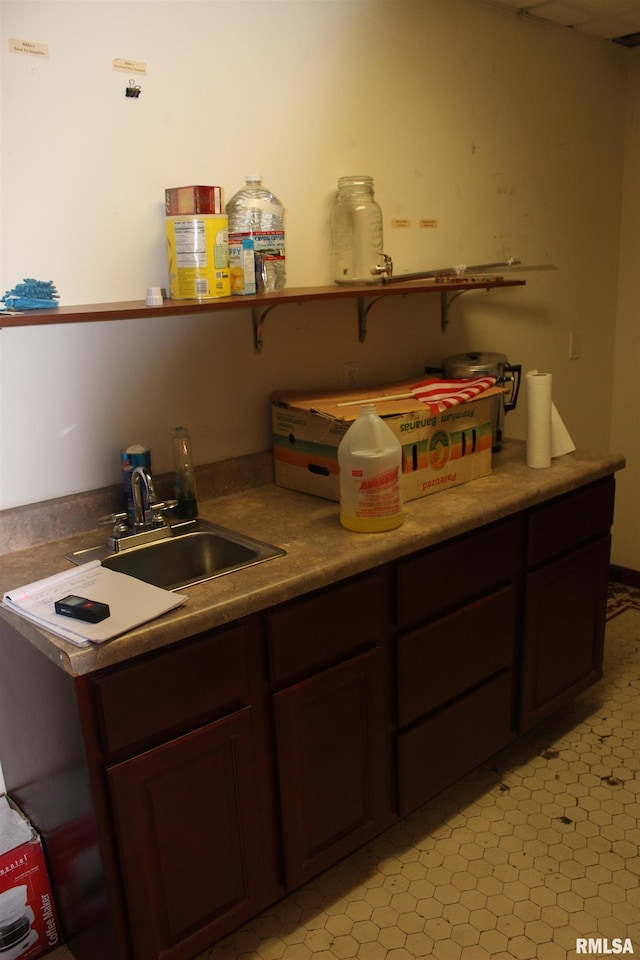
473 363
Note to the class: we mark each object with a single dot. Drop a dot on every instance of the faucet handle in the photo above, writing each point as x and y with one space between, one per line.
119 521
159 510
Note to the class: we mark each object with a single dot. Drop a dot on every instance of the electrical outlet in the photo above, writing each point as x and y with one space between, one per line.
574 346
351 374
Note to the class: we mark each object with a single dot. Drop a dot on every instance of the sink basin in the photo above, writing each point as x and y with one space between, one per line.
197 551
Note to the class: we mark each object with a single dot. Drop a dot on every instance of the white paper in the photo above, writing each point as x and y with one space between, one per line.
131 602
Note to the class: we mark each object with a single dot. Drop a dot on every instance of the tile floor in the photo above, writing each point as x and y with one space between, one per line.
534 850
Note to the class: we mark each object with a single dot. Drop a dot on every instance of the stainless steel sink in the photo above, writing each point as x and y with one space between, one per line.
197 551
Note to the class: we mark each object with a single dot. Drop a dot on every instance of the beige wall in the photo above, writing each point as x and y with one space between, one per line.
508 132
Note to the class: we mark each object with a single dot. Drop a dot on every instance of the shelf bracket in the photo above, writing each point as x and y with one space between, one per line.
259 315
445 302
446 299
363 312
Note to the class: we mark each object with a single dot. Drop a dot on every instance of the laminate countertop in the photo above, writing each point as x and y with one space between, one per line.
319 551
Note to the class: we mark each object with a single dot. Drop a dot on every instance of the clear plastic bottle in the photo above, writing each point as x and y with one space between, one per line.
256 212
356 233
185 479
370 463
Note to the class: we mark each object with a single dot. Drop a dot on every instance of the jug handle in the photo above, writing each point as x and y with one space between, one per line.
515 369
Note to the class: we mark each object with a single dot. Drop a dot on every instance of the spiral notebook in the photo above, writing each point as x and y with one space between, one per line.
131 602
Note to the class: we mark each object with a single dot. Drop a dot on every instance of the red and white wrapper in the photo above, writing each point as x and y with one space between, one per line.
439 395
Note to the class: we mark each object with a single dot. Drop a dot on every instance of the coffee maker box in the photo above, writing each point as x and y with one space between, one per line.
439 450
28 919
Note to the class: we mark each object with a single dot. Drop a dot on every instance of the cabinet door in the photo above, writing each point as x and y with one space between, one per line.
564 630
186 818
334 764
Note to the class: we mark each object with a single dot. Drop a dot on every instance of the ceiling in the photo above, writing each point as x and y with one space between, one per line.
615 20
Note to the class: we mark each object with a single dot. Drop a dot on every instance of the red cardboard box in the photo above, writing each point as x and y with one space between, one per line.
68 833
184 201
28 920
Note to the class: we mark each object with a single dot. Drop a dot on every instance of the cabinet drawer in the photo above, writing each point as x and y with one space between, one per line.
450 575
442 660
318 631
443 748
568 521
174 691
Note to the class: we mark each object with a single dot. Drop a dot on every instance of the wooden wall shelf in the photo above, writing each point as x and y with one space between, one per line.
260 304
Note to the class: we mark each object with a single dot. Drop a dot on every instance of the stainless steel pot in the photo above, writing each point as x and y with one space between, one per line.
474 364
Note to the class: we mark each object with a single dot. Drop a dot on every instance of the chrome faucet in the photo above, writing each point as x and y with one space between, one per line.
141 477
155 525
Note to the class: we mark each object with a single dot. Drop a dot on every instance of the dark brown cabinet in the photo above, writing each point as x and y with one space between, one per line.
565 599
189 781
187 823
333 760
221 771
333 726
456 667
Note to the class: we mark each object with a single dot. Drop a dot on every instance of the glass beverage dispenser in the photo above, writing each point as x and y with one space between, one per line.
356 233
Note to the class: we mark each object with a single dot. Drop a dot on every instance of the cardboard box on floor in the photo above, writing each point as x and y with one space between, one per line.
439 450
28 922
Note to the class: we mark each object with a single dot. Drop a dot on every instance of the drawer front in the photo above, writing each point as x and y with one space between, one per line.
449 656
568 521
318 631
448 576
174 691
443 748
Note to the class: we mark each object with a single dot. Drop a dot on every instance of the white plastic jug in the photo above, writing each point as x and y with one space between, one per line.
370 462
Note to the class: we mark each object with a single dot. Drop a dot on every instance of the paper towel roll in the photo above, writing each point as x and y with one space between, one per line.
561 442
539 405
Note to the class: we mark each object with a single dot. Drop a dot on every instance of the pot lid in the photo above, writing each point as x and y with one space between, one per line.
475 362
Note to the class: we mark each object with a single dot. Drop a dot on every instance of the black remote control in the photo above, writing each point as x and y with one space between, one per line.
82 609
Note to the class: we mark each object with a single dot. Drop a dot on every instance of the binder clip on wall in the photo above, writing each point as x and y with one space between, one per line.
133 90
